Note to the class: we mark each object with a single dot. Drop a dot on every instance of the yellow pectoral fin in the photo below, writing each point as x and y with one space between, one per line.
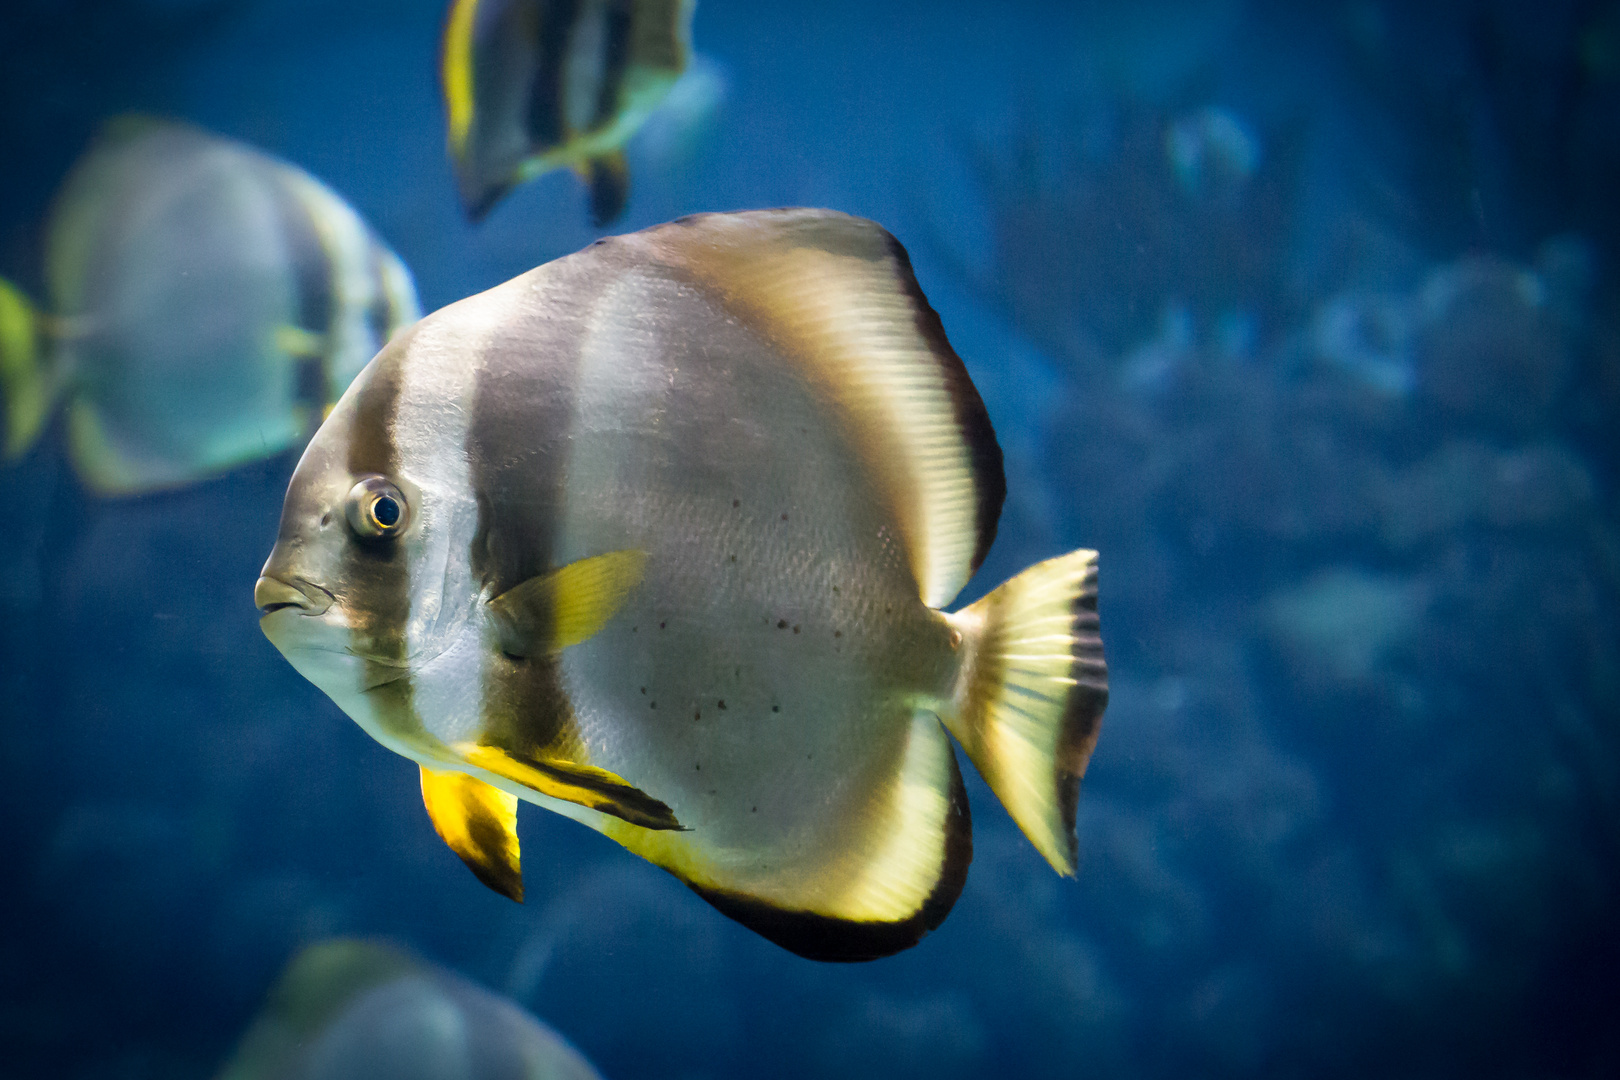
569 781
298 342
479 822
552 611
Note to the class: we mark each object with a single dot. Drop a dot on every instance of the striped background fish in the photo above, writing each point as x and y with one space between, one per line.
207 304
536 85
657 536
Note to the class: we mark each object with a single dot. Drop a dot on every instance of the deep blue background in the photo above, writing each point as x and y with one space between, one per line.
1340 421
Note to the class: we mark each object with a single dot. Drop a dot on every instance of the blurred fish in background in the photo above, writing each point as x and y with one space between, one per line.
535 85
349 1009
206 304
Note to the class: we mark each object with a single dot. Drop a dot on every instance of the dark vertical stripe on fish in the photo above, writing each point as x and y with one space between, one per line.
381 316
378 568
522 406
616 54
546 106
311 265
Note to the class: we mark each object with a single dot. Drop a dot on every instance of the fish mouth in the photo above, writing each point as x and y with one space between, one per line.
271 595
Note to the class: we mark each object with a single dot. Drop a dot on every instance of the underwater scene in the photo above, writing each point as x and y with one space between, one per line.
787 446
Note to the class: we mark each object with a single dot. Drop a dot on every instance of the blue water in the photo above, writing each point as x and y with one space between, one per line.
1307 317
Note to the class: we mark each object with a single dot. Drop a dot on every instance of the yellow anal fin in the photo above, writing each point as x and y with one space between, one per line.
479 823
608 178
552 611
569 781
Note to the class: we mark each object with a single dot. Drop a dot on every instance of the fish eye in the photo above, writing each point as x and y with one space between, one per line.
377 508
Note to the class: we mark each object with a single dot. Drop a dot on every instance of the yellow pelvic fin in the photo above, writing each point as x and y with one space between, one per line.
479 823
569 781
1031 695
23 381
550 612
298 342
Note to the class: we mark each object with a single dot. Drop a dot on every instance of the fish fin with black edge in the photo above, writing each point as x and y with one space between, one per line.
607 177
478 822
891 873
838 295
1030 698
549 612
585 785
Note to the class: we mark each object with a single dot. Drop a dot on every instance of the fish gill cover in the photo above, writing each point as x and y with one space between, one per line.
1307 318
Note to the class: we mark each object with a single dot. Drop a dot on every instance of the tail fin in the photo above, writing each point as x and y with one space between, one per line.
1031 695
24 387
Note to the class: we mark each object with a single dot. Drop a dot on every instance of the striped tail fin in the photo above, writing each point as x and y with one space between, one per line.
1030 698
25 390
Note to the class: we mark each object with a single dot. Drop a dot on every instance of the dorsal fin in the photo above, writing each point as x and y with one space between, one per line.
837 294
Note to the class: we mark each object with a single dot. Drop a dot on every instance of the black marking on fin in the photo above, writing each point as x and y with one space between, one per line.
833 940
989 475
609 181
1082 716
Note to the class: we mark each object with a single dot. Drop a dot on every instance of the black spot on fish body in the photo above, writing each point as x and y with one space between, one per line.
736 503
781 624
795 629
776 708
661 625
722 704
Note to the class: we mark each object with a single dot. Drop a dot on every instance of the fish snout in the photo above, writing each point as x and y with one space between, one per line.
273 594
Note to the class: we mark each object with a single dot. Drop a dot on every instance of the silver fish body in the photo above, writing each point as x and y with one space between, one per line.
680 510
210 303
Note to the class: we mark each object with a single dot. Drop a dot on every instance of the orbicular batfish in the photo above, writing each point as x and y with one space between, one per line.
206 303
535 85
657 536
347 1009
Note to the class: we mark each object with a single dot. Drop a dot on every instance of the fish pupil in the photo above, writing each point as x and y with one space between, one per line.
386 511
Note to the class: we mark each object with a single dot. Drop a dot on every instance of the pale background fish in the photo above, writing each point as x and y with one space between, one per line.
204 304
348 1009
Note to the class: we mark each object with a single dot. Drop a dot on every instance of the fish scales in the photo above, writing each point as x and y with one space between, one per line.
689 466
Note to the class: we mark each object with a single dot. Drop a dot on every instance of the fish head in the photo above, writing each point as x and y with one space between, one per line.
357 592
